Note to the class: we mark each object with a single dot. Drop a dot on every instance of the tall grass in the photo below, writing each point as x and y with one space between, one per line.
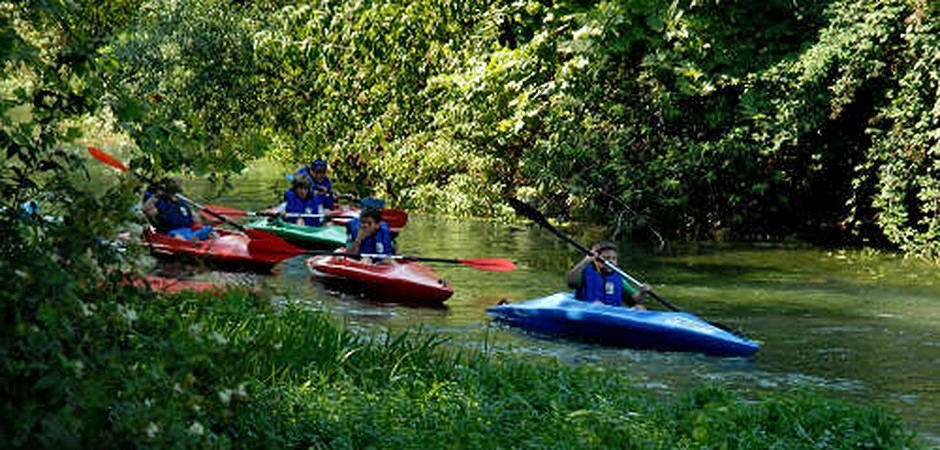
198 371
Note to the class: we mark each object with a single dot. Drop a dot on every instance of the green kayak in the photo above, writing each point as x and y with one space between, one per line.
327 237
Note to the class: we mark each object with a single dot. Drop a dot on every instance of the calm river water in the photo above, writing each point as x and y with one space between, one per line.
855 325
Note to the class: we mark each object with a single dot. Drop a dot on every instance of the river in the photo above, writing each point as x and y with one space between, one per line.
857 325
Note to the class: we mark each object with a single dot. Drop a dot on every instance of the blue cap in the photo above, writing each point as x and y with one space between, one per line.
371 202
318 164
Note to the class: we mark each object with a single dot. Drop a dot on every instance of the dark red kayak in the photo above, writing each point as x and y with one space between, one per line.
229 249
395 218
173 285
402 282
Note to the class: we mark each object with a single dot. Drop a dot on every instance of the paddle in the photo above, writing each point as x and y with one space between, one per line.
395 218
533 214
484 264
235 213
261 241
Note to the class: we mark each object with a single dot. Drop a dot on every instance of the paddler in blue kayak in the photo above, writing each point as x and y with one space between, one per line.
170 215
593 281
368 233
300 200
320 184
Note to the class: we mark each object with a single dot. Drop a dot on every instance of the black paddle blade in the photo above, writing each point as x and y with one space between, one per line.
523 209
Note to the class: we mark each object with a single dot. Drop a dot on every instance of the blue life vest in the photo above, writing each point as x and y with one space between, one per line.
380 243
172 215
316 187
309 205
596 287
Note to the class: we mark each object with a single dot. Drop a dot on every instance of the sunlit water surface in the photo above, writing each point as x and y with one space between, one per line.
854 325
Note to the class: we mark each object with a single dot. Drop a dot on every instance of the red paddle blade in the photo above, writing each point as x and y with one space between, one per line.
107 159
395 218
270 246
490 264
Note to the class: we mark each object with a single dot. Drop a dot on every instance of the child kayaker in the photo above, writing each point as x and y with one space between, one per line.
593 281
368 234
299 200
320 184
171 216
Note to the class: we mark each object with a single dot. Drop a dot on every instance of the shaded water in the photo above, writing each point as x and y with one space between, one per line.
854 325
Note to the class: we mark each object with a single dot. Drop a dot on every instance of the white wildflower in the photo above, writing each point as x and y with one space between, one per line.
177 388
88 309
128 314
278 345
195 329
152 430
196 429
218 338
225 395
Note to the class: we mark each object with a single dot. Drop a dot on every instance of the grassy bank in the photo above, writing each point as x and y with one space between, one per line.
120 367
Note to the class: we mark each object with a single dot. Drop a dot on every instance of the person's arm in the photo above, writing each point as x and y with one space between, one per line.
574 275
197 218
353 247
150 207
635 297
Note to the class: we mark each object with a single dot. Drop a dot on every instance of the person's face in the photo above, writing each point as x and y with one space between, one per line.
609 255
302 191
319 175
369 225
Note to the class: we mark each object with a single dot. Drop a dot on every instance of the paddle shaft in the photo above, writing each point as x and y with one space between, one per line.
113 162
377 256
485 264
535 215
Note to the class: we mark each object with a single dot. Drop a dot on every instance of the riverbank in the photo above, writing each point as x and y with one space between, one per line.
121 367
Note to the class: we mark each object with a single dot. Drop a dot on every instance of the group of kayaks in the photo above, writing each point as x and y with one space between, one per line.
402 281
411 282
264 243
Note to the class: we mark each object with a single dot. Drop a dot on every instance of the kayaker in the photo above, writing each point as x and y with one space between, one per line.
593 281
171 216
369 234
299 200
320 184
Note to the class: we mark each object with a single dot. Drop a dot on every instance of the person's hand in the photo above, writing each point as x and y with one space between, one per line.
365 231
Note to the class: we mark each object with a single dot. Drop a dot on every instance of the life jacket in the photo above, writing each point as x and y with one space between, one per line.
172 215
316 187
309 205
596 287
379 243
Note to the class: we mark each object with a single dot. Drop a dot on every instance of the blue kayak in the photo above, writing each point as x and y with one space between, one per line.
561 315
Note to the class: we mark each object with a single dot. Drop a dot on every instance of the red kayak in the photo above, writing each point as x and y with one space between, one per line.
402 282
173 285
395 218
228 249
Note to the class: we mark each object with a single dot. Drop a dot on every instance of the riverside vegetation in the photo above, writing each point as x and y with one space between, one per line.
91 363
609 104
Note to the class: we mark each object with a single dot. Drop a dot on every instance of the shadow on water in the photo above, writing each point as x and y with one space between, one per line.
850 324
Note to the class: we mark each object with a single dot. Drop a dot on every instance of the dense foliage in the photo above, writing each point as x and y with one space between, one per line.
703 119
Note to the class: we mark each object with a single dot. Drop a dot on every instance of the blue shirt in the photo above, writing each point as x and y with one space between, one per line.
379 243
317 188
309 205
597 287
172 215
